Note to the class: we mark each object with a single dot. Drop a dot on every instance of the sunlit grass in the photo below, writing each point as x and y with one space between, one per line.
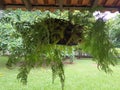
81 75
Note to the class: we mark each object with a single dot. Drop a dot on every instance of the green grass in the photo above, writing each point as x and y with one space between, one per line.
82 75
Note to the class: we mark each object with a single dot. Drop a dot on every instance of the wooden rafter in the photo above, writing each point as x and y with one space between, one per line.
68 2
59 4
35 1
2 5
80 2
28 4
70 7
104 2
13 1
45 2
115 2
56 2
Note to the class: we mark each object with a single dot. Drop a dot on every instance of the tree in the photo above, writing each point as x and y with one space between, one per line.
9 38
114 28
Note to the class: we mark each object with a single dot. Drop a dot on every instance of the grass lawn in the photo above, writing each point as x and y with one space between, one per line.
82 75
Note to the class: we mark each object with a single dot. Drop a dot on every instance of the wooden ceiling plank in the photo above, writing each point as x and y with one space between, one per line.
118 4
86 2
115 2
56 2
27 4
19 2
45 2
74 2
57 7
40 1
80 2
13 1
2 4
104 2
109 2
100 2
68 2
65 2
7 1
51 2
34 2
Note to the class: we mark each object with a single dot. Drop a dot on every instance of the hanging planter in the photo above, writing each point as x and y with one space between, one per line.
63 32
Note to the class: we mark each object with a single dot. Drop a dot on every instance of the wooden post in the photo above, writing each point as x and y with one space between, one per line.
28 4
95 3
61 4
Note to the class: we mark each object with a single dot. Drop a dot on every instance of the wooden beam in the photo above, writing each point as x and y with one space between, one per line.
2 5
35 1
80 2
13 1
45 2
70 7
115 2
28 4
68 2
104 2
56 2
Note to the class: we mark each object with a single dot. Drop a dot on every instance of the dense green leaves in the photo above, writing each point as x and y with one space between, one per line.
97 43
9 38
114 30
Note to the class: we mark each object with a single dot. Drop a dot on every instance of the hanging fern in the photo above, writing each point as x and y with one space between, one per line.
97 43
47 35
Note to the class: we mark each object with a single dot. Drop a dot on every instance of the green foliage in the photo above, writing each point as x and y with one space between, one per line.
9 38
46 36
114 30
97 43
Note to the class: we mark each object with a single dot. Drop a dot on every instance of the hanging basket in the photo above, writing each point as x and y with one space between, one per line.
64 32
